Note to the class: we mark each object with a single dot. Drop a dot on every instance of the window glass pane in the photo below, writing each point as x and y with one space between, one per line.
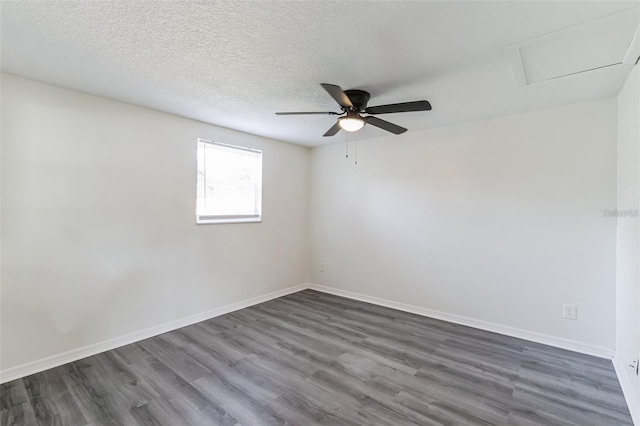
229 181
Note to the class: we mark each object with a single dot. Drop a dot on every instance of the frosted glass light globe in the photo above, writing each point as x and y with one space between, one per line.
351 124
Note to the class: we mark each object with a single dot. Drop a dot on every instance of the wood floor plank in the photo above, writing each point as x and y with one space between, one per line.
61 410
243 407
275 354
157 413
15 392
128 385
95 398
311 358
18 414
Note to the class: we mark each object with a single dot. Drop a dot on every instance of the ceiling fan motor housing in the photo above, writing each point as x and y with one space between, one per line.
359 99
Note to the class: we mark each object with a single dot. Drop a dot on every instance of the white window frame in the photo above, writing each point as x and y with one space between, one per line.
221 219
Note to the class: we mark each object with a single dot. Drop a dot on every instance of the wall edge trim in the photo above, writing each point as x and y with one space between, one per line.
57 360
546 339
633 400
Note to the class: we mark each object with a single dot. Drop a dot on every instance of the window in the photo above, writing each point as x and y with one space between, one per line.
229 187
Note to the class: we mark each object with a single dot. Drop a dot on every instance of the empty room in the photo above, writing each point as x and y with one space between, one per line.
319 213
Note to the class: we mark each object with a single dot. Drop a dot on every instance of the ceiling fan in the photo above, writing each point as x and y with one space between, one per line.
354 103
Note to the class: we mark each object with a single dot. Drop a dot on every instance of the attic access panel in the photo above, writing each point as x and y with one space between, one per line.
595 44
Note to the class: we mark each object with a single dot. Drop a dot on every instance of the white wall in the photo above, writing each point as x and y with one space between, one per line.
98 222
499 221
628 274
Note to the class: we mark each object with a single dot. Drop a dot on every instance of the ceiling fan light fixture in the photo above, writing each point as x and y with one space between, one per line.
351 123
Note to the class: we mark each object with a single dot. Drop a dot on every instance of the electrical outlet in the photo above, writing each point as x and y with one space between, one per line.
322 267
634 365
569 312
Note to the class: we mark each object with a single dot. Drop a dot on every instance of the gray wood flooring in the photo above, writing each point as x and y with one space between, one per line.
311 358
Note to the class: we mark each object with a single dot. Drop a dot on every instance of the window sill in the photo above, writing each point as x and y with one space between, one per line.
213 221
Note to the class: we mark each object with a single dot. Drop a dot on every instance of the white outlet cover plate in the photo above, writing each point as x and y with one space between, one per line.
570 311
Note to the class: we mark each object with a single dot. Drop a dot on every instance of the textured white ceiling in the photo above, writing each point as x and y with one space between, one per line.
236 63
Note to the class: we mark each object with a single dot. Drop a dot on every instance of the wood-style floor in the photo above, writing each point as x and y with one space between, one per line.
311 358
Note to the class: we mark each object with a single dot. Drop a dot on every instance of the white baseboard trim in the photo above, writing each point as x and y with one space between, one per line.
572 345
633 400
89 350
43 364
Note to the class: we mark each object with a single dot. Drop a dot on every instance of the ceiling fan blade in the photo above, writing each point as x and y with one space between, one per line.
333 130
401 107
336 93
309 113
385 125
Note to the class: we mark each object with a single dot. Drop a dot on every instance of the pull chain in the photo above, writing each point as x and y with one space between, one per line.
346 140
356 149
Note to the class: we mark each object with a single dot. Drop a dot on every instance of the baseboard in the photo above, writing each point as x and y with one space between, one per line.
633 400
96 348
572 345
89 350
